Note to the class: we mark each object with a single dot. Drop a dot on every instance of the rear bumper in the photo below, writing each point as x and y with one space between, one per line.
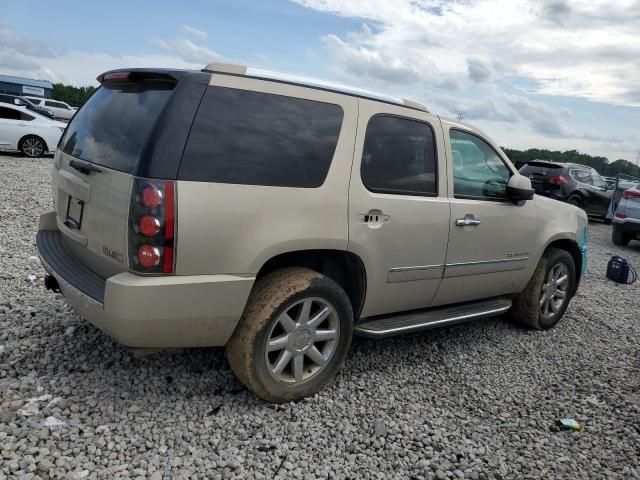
627 225
145 311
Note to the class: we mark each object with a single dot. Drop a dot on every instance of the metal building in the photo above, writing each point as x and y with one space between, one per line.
25 86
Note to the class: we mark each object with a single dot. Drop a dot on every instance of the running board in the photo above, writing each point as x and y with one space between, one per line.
390 325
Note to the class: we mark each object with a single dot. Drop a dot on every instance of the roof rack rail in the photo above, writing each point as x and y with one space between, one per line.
233 69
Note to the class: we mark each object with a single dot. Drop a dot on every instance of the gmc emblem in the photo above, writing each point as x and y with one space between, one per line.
112 253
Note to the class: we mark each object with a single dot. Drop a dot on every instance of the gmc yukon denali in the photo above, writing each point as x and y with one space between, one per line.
278 216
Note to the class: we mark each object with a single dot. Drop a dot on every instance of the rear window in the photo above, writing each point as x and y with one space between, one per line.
540 169
254 138
113 126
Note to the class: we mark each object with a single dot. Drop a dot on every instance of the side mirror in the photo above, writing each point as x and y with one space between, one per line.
519 188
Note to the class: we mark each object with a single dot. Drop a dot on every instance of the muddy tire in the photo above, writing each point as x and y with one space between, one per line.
293 336
542 303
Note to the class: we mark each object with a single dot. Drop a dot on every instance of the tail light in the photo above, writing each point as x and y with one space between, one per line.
621 216
631 193
558 180
152 226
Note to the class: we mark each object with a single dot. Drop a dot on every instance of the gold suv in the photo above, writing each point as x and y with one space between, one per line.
278 216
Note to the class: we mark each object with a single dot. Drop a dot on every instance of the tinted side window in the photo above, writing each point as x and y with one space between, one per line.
55 104
478 171
399 157
9 114
581 176
255 138
26 116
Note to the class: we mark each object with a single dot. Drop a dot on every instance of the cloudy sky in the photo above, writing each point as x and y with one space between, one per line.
557 74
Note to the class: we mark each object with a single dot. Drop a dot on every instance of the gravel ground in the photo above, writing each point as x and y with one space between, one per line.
473 401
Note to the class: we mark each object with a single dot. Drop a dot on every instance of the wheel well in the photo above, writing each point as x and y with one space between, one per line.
344 268
575 252
44 142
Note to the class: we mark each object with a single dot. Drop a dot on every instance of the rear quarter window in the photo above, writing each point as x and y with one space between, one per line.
255 138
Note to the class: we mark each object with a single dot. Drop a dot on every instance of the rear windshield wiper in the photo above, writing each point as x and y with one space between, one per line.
85 168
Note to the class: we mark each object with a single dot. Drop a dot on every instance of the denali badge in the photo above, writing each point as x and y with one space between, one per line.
112 253
517 254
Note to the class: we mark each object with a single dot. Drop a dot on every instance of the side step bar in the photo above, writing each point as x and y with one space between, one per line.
390 325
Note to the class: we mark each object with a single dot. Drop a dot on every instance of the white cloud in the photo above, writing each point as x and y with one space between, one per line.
33 59
581 48
12 42
193 31
189 51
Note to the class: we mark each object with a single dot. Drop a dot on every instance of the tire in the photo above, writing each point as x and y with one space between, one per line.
619 237
528 308
294 341
32 146
575 200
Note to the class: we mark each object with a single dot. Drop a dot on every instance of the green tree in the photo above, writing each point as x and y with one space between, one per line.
74 96
600 164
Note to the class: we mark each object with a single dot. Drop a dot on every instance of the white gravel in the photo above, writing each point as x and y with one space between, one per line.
472 401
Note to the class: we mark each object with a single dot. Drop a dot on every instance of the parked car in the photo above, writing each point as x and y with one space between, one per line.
626 219
59 109
610 181
278 216
27 131
572 183
25 102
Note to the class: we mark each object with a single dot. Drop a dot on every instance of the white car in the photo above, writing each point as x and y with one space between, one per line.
60 109
626 220
29 132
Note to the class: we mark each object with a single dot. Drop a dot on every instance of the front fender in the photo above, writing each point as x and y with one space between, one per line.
564 226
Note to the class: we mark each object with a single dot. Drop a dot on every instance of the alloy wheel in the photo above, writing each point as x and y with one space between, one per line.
33 147
555 290
302 341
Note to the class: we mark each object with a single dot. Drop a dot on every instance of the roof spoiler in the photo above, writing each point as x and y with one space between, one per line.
128 75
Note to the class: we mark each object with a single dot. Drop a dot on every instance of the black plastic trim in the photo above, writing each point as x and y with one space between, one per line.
66 267
163 154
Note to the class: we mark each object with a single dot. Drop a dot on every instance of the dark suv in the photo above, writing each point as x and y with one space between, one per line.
576 184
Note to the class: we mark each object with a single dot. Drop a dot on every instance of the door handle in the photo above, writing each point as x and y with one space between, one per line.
467 221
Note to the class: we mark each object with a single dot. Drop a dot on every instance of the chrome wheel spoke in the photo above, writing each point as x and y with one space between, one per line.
278 343
560 294
283 360
319 317
562 280
305 311
543 299
325 335
316 357
298 365
287 322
